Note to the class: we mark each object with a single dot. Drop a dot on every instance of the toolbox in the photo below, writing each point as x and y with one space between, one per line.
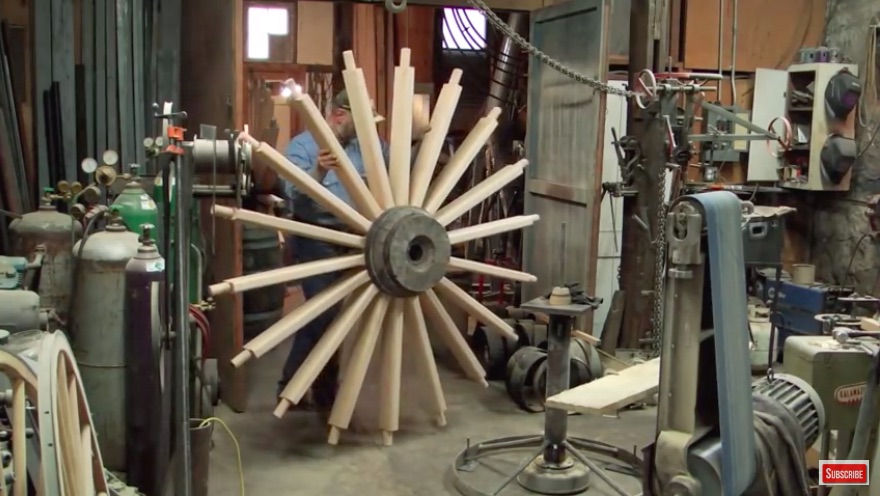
798 305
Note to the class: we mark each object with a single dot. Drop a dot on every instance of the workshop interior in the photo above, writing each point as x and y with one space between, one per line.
490 247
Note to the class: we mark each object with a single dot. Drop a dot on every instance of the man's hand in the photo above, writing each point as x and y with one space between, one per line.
327 161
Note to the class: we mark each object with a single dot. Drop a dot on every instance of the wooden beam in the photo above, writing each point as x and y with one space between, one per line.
637 249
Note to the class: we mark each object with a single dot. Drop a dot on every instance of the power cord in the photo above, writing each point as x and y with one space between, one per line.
216 420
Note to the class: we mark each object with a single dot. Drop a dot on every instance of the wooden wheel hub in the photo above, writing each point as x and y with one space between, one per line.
407 252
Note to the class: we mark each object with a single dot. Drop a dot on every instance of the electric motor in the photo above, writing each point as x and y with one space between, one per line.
799 397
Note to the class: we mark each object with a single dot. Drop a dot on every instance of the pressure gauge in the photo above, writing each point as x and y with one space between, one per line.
89 165
111 158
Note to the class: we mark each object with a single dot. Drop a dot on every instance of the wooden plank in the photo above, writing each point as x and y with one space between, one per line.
612 392
112 88
565 118
125 81
315 33
100 62
88 62
64 73
137 73
41 50
618 38
762 41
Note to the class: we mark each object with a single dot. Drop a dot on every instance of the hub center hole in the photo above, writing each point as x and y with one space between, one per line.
415 252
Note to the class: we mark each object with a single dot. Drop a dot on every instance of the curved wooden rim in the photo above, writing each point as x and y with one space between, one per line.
71 459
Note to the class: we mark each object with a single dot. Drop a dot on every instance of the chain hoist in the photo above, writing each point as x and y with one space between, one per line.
504 28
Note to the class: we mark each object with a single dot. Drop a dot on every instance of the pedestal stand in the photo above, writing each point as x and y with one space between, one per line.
558 465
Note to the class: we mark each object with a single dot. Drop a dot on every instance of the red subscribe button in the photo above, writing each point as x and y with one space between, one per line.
843 472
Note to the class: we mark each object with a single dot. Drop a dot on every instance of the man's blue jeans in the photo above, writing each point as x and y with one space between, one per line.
309 250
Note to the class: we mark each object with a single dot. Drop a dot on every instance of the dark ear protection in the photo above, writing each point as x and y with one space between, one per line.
837 156
842 94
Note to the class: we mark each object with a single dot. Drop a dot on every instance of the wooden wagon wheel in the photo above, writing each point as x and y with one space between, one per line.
399 234
24 388
71 459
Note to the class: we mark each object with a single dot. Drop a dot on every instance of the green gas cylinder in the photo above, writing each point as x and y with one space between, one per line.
196 253
135 206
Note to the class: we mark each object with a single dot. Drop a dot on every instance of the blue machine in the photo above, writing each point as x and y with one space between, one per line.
798 305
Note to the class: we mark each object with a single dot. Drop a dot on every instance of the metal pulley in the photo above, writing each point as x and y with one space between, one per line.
522 370
494 350
526 380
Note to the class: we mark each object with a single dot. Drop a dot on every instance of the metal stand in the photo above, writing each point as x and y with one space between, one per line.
557 465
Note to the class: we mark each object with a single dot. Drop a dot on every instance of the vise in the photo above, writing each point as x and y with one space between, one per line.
798 305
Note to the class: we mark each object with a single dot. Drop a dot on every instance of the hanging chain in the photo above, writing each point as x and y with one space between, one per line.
659 266
503 27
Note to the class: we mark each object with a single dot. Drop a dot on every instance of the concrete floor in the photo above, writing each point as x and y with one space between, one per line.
290 456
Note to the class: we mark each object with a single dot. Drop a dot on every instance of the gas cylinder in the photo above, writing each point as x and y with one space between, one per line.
97 328
135 206
147 400
57 232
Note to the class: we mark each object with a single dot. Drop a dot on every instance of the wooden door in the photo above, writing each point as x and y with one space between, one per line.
564 141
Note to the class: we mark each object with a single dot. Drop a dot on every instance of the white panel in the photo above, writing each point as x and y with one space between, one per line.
768 104
609 227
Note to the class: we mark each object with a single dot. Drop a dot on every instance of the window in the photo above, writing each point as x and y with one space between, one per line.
464 29
269 36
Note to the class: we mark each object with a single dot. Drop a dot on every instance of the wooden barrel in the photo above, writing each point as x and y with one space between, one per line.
261 251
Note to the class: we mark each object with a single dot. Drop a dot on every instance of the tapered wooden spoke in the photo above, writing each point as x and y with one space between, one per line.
480 192
356 368
449 333
324 350
300 317
286 274
19 437
461 161
367 133
479 231
392 359
466 302
400 160
307 184
414 322
346 172
490 270
310 231
434 139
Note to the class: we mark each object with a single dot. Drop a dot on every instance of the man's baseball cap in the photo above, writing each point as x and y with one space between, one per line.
341 101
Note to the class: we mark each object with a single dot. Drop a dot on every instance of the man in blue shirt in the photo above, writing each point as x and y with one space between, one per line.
305 153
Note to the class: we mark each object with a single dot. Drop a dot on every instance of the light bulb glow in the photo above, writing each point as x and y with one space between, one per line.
286 92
